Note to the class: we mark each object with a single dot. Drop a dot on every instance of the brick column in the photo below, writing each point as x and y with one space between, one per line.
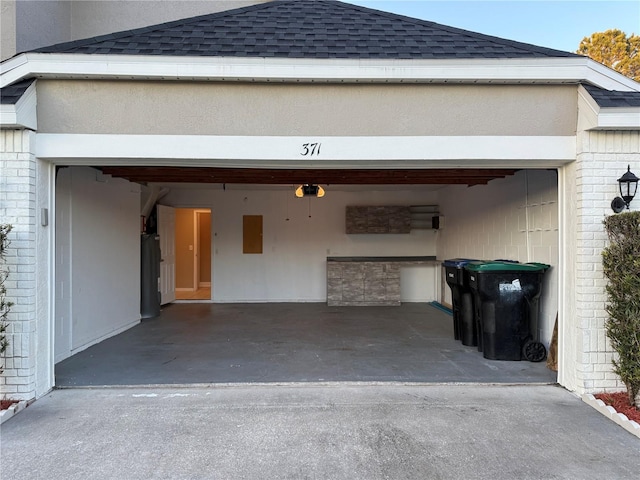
602 158
18 208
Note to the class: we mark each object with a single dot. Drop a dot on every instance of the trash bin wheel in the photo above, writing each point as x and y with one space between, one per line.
534 351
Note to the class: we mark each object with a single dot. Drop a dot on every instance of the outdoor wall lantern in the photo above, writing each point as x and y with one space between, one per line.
309 189
628 187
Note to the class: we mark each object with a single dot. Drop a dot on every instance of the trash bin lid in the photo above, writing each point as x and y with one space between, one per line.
543 266
458 262
498 266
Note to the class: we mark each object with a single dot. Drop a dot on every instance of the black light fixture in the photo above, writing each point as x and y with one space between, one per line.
309 190
628 186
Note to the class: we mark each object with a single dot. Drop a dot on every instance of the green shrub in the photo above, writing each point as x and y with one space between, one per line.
621 261
5 305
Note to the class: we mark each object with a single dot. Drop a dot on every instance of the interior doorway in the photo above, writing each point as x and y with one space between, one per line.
193 254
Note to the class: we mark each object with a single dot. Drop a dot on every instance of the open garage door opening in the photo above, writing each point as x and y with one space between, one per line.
269 320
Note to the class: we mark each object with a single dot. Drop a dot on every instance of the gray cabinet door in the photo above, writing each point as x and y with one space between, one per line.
353 282
374 283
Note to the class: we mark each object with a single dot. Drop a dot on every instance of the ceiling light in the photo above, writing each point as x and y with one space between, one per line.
309 189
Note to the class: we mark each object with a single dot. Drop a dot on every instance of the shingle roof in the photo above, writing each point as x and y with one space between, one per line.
11 94
613 99
305 29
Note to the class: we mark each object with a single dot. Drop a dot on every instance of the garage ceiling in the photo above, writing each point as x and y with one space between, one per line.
462 176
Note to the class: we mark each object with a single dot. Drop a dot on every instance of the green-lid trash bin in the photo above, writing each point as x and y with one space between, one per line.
506 305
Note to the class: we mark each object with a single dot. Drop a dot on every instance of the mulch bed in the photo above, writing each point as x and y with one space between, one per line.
620 401
4 404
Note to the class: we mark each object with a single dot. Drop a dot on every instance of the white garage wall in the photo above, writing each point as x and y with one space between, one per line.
513 218
292 267
97 258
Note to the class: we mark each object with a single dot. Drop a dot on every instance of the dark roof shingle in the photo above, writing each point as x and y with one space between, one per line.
10 95
304 29
613 99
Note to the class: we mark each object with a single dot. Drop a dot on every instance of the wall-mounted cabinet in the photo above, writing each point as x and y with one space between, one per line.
378 219
389 219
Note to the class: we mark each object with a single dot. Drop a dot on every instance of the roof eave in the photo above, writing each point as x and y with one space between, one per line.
22 114
607 118
543 70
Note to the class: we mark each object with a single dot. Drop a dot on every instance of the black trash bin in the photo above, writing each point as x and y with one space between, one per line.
476 302
507 298
464 325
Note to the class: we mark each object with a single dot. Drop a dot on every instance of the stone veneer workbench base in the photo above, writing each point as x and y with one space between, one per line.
367 281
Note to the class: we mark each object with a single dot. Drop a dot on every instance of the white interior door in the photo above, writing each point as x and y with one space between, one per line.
167 233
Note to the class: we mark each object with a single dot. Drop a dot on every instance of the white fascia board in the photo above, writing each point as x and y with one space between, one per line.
23 113
299 152
607 78
619 118
8 116
519 70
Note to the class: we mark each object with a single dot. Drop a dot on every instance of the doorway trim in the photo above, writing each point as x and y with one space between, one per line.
197 248
195 212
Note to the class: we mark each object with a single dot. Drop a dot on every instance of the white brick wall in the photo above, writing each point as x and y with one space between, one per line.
603 157
18 208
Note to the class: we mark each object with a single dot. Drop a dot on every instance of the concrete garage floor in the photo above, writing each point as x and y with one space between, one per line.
290 342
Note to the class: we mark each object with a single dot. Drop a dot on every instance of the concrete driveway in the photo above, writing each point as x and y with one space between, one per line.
316 431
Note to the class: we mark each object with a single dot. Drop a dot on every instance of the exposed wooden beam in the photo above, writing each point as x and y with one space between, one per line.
456 176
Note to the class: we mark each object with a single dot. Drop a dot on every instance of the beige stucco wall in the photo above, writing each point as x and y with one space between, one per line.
40 23
7 28
130 107
90 18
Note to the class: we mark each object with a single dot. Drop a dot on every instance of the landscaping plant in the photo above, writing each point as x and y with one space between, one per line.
5 305
621 261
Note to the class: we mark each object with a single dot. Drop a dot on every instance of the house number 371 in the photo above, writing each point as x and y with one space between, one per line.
310 149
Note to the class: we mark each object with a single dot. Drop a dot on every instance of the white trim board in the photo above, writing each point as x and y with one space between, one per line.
515 70
619 119
287 152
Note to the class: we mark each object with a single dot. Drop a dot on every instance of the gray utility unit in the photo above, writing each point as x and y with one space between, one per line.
149 275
